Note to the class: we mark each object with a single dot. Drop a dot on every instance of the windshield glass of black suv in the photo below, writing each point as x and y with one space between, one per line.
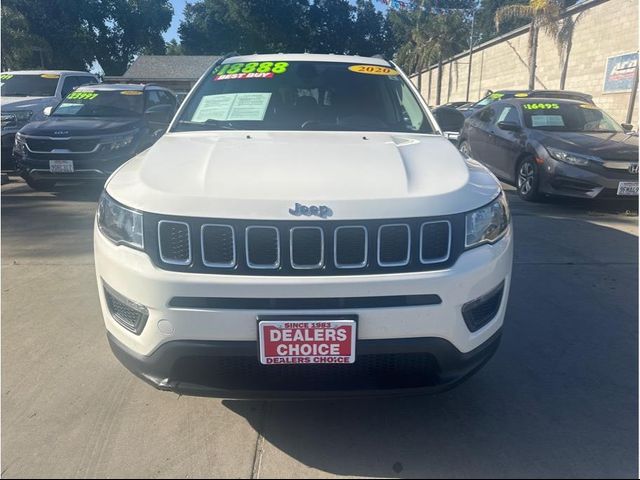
101 103
28 85
321 96
567 117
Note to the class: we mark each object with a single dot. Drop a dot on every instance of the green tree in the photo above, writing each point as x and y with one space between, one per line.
485 24
369 36
71 34
19 44
543 15
430 34
173 48
245 26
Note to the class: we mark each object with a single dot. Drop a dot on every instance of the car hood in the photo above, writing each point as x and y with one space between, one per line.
259 175
81 126
614 146
24 103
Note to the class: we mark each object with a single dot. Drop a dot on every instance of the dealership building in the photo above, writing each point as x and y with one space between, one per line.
602 62
175 72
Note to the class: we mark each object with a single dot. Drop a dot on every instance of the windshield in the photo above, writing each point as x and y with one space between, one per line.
101 103
492 97
568 117
28 85
304 96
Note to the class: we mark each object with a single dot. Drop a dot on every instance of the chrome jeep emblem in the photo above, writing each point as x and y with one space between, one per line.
321 211
633 168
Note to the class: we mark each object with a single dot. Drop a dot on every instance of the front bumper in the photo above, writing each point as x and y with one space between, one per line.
230 369
435 336
559 178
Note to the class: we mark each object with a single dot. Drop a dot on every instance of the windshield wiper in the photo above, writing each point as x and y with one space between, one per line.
221 124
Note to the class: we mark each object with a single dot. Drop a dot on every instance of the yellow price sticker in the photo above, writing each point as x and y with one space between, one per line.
50 75
521 95
6 76
130 92
373 70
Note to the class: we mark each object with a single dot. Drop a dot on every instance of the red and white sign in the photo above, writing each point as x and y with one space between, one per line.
307 342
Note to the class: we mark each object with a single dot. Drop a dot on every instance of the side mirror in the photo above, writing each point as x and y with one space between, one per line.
627 127
509 126
449 119
47 111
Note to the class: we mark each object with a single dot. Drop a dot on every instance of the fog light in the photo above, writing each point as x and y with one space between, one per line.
129 314
477 313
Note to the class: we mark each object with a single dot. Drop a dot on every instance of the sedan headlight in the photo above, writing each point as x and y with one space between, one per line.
120 224
487 224
571 158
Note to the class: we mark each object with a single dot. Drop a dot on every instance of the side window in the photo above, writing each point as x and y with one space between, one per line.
74 81
487 115
153 99
508 114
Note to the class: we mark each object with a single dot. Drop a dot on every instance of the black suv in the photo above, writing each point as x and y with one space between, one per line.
93 131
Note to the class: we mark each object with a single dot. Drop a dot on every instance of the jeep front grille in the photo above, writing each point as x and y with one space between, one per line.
304 247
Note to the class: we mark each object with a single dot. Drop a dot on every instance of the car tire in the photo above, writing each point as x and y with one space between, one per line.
528 179
40 185
465 148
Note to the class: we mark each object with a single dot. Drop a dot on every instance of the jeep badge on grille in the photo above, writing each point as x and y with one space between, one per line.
321 211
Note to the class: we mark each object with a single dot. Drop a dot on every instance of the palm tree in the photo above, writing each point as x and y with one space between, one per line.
430 38
564 41
544 14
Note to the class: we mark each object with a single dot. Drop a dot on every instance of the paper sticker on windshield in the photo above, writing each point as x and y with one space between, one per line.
373 70
232 106
521 95
82 96
588 105
6 76
49 75
496 96
130 92
541 106
236 71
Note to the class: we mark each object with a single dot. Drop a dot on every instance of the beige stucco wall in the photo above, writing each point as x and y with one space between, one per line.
603 30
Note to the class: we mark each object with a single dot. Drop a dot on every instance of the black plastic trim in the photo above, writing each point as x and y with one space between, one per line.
303 303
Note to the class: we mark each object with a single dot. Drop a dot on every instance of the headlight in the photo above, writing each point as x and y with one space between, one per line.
121 142
120 224
570 158
487 224
19 116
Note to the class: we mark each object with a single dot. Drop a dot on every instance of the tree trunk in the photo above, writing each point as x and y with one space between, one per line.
565 62
439 81
533 54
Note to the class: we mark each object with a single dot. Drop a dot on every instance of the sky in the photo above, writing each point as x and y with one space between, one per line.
178 7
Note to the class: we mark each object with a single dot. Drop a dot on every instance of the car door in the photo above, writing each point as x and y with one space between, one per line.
507 144
479 134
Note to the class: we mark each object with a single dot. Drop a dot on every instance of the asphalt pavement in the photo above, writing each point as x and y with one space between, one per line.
559 399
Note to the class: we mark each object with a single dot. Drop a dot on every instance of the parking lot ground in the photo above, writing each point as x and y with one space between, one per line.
558 399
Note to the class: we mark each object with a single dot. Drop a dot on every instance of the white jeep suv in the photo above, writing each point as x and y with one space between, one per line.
303 228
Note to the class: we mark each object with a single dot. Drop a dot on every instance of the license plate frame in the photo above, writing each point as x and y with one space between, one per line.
627 189
348 322
61 166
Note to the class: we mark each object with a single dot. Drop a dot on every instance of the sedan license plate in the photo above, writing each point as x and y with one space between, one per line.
61 166
628 188
306 342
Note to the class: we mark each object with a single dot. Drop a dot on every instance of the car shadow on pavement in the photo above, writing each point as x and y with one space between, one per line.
56 225
559 399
